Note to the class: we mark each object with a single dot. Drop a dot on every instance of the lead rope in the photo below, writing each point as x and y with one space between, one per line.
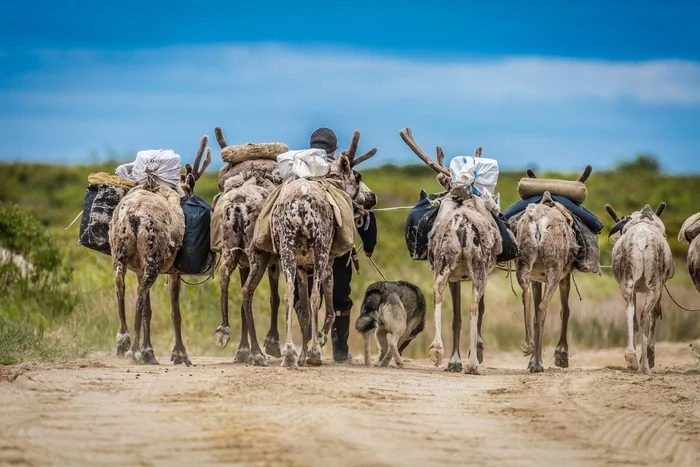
678 304
669 295
360 248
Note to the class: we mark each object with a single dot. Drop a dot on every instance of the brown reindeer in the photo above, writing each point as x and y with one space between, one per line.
642 263
463 246
245 188
548 248
303 227
146 233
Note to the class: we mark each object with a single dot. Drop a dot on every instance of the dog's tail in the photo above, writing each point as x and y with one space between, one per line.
366 322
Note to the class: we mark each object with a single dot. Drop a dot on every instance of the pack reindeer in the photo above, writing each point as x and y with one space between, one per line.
642 262
463 246
548 248
244 194
303 226
145 234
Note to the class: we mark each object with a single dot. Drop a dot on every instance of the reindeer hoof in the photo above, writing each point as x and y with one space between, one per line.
471 369
289 357
644 370
242 355
133 355
535 367
148 357
221 336
454 366
528 347
561 358
435 354
123 344
631 360
314 357
179 357
272 346
258 359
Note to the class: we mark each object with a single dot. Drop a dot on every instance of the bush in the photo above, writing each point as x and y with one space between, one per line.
34 283
643 163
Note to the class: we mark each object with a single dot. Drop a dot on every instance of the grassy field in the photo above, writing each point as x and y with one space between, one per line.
54 195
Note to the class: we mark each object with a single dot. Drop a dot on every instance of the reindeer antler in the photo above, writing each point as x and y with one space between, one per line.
586 173
440 156
197 171
219 133
407 137
352 150
612 213
531 173
660 209
478 152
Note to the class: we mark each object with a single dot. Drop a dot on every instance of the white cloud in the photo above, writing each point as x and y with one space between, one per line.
519 105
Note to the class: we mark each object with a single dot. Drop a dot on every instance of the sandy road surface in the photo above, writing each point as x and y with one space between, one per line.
102 411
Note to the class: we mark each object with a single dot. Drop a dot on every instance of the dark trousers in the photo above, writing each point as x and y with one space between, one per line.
342 275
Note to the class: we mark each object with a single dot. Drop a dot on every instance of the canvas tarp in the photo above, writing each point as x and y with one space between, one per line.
342 205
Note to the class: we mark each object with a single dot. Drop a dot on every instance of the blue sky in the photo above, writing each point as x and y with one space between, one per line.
556 84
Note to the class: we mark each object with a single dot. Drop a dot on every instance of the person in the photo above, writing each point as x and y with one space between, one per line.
325 138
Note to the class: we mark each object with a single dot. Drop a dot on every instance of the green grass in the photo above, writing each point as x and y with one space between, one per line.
54 194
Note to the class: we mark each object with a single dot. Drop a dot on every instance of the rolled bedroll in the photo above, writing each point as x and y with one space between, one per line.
252 151
574 190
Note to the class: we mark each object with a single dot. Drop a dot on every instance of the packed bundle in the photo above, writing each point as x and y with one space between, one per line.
103 193
305 163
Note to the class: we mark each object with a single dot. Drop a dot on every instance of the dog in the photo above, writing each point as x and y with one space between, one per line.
396 311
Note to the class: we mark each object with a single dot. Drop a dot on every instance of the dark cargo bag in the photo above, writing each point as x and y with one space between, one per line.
98 206
419 223
510 246
195 256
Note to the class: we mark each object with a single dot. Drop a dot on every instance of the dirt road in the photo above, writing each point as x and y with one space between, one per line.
103 411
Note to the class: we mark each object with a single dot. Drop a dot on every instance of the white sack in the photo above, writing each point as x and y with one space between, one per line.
303 163
480 173
163 164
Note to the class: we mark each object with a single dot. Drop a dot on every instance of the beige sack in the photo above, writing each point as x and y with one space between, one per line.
252 151
574 190
343 211
690 229
217 233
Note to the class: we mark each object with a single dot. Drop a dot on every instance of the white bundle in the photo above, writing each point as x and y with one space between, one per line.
163 165
479 172
303 163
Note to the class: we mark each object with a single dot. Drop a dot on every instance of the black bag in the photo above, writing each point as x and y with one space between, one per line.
98 206
510 246
195 256
588 256
419 223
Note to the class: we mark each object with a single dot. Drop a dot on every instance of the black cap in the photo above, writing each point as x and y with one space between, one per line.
325 139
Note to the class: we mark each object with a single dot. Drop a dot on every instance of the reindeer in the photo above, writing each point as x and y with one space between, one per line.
303 226
463 246
245 189
146 233
689 233
642 262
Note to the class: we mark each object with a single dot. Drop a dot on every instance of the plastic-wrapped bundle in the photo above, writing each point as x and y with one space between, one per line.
164 165
305 163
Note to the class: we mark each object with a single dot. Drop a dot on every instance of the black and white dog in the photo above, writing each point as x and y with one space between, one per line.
396 311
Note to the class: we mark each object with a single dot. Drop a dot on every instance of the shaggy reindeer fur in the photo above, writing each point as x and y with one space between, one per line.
303 226
146 232
548 250
694 261
642 262
463 246
246 186
396 312
689 233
